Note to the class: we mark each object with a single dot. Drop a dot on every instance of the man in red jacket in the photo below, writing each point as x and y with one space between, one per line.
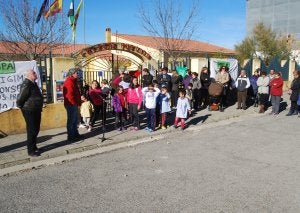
72 101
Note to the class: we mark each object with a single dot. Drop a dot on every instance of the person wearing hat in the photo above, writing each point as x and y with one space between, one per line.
72 101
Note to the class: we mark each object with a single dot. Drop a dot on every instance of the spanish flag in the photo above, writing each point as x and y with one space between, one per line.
56 7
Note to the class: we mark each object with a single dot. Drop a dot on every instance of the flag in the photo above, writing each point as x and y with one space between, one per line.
56 7
181 71
42 10
71 13
76 18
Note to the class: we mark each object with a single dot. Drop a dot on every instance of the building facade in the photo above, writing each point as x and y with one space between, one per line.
282 16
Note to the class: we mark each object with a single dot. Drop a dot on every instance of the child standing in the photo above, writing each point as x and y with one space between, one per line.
134 99
150 93
119 104
189 94
183 107
164 104
86 111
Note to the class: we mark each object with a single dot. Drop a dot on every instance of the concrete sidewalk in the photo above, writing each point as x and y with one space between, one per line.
53 142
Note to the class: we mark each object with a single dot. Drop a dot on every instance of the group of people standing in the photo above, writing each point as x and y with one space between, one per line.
157 96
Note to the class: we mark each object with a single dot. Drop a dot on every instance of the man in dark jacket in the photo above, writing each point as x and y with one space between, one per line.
72 101
165 79
30 101
147 78
294 94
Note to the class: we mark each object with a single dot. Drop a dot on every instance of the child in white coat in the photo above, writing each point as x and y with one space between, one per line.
183 108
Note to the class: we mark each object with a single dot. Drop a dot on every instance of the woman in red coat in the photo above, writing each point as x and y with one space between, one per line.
276 92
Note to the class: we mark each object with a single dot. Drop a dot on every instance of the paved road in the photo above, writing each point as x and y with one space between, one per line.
250 165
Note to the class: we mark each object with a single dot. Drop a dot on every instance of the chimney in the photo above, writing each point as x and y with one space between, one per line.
107 35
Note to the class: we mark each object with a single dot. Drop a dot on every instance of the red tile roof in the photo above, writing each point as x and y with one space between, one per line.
190 45
66 49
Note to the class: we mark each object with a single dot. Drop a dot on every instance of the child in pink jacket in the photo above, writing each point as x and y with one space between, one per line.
134 98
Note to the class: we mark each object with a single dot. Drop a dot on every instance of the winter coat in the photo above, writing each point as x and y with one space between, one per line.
86 109
196 83
165 80
253 82
205 80
295 87
96 96
175 82
187 79
242 83
183 106
30 97
150 97
223 78
71 92
164 102
276 86
263 85
146 80
116 103
134 96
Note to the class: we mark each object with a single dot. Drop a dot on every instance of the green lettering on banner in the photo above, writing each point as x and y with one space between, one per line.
7 67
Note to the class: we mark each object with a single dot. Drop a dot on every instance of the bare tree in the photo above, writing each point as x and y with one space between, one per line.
21 35
171 24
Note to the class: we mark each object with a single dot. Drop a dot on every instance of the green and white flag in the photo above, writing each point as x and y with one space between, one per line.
71 14
217 63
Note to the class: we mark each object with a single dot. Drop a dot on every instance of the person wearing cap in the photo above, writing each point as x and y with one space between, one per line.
72 100
30 101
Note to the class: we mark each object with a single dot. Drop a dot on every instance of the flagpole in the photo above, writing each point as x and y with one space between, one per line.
73 34
62 27
84 23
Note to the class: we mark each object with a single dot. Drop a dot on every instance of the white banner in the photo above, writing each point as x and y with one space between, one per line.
10 82
216 63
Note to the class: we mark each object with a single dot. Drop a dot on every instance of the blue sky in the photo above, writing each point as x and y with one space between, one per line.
221 22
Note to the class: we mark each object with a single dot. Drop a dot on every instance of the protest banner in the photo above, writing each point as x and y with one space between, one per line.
12 75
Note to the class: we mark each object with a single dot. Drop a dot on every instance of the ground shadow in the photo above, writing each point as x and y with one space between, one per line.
283 106
196 120
2 134
24 143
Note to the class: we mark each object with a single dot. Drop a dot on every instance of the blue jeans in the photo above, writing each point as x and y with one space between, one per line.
150 113
72 121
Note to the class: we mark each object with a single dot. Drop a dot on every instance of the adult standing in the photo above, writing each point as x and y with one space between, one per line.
165 79
224 78
72 101
147 78
294 93
254 88
276 92
205 82
30 101
263 91
175 79
187 79
242 84
196 90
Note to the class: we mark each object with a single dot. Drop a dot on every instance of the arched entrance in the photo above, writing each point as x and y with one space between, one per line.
104 60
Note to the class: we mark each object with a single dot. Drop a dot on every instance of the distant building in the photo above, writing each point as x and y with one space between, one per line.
282 16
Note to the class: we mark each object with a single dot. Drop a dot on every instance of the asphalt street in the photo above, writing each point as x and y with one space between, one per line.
245 165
